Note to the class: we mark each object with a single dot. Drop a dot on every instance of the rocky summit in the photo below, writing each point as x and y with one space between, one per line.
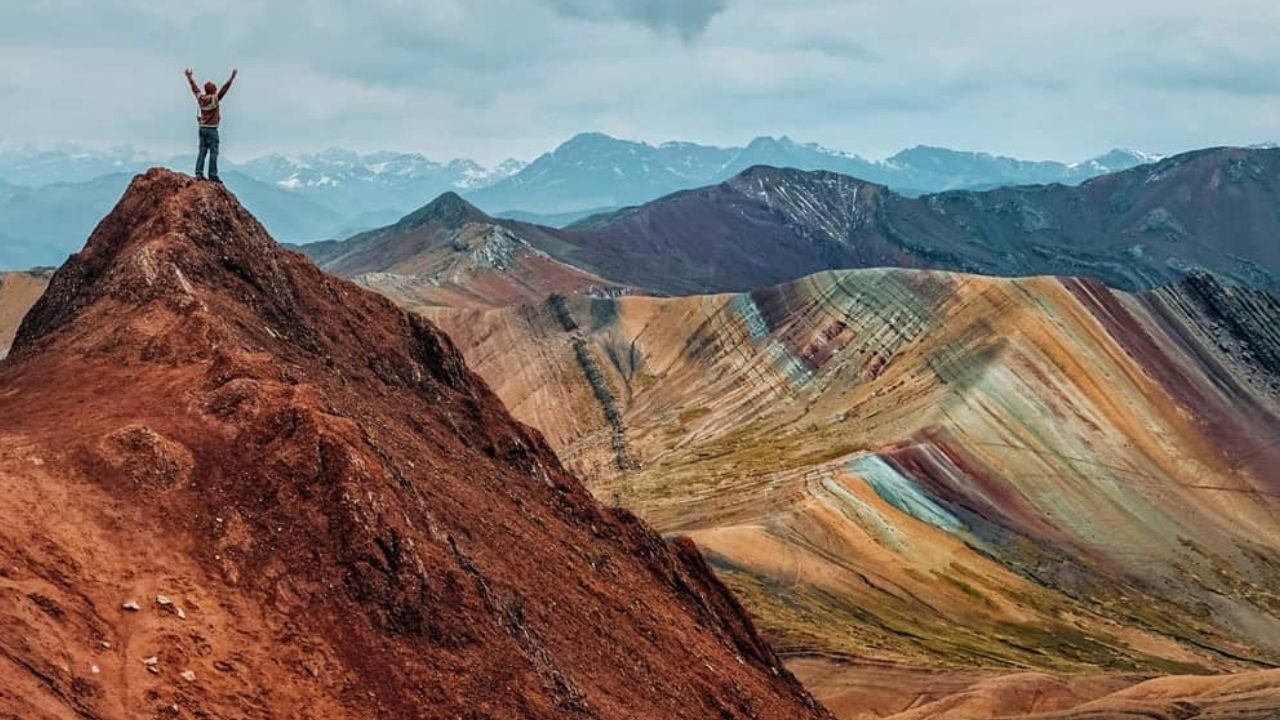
237 487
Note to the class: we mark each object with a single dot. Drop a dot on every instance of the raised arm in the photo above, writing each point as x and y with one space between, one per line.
227 85
191 80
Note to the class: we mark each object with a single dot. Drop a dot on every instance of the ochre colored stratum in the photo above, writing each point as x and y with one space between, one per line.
18 292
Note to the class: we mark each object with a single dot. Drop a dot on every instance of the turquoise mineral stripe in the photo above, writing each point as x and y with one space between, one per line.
745 306
776 352
901 493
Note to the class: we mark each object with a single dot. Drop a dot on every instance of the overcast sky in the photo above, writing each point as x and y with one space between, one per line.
495 78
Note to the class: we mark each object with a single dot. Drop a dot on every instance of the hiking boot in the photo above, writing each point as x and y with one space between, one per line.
199 176
215 179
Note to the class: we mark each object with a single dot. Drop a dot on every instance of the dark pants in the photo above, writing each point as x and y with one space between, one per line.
208 146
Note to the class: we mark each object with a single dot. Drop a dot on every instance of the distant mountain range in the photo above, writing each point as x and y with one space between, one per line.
593 171
51 199
309 174
35 167
42 226
1215 210
355 185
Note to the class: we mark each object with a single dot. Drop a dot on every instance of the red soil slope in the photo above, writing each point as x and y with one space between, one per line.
318 510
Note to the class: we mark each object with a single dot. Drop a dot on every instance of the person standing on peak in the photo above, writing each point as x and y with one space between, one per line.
210 102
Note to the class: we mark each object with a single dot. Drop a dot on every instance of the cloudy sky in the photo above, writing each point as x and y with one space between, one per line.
495 78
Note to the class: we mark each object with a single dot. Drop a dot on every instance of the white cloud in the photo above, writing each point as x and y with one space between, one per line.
685 17
492 78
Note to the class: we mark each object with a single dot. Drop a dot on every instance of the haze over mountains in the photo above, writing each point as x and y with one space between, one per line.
42 223
49 200
31 167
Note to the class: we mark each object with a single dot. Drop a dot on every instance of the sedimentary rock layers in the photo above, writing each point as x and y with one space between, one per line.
938 468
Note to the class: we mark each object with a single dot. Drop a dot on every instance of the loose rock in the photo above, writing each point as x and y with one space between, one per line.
166 602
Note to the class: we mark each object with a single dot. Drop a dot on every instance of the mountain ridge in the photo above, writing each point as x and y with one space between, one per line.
1212 209
449 252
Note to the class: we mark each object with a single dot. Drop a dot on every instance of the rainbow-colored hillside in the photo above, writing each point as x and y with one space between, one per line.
931 469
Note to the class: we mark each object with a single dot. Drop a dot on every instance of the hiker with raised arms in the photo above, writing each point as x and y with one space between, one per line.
210 114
